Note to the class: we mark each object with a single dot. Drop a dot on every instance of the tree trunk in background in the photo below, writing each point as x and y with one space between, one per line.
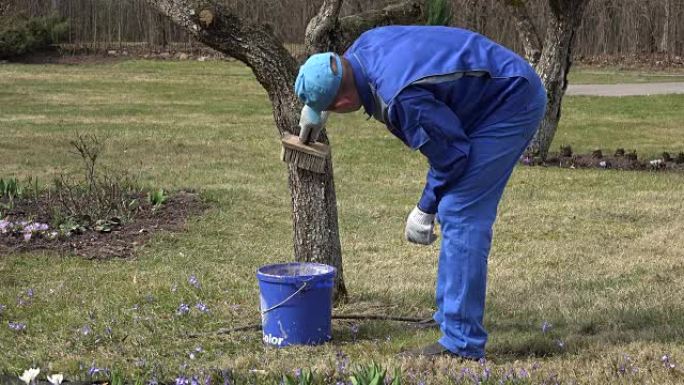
554 65
665 41
555 59
527 31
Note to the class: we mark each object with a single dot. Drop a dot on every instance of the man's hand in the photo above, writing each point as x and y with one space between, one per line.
311 124
420 227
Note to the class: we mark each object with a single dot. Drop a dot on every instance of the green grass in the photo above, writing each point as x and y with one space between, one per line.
594 75
597 254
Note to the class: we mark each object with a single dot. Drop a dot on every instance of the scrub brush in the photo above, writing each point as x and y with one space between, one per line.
303 154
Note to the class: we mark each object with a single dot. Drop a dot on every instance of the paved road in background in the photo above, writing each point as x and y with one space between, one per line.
625 89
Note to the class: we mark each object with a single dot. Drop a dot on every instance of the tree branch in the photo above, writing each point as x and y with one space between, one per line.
526 29
333 34
321 28
222 29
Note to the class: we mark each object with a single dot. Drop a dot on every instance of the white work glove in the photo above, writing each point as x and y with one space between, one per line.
420 227
310 125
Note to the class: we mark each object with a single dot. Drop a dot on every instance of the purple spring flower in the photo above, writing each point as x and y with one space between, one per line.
546 327
108 330
17 326
523 373
153 382
194 281
202 307
94 370
560 344
181 380
298 372
354 329
486 373
29 293
667 362
5 226
27 236
183 309
342 362
194 381
85 330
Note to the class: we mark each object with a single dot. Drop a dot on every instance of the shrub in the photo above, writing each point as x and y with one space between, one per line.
20 35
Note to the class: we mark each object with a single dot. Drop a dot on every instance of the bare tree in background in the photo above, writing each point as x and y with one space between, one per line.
314 205
552 58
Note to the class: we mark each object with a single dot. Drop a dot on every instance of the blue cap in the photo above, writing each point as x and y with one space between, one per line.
317 84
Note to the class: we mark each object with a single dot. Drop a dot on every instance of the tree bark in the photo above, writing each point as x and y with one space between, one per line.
554 65
665 41
336 36
526 30
314 205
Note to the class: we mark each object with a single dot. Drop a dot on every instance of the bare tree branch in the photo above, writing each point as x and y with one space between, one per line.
526 29
322 27
338 35
222 29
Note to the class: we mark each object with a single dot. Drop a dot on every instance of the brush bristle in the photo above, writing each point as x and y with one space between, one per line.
303 160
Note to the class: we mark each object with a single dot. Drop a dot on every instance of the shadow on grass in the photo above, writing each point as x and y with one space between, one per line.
516 339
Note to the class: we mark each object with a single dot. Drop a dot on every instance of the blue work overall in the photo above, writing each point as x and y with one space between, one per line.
471 107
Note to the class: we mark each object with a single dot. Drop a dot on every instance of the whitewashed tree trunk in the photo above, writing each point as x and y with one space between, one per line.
554 63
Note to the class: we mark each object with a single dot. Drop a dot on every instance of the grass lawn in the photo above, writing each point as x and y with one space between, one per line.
596 254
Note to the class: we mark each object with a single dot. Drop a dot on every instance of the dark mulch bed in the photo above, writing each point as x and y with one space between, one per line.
617 161
121 242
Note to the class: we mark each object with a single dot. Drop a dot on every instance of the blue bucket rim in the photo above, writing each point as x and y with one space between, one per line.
332 271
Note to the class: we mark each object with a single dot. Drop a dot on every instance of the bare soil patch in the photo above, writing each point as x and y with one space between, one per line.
117 240
619 160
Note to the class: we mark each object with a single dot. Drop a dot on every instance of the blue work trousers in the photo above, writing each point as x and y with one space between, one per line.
466 214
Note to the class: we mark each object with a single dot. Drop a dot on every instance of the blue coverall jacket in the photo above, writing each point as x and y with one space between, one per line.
471 107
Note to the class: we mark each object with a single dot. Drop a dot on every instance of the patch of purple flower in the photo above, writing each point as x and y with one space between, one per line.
86 330
546 327
5 226
95 370
202 307
342 362
667 362
194 281
17 326
183 309
182 380
194 381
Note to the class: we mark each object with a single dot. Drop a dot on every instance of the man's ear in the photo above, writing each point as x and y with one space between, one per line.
333 64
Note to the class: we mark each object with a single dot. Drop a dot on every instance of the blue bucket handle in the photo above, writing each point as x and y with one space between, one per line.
283 302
